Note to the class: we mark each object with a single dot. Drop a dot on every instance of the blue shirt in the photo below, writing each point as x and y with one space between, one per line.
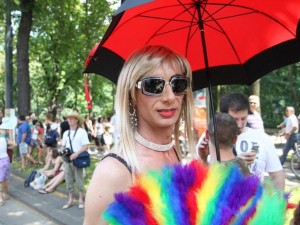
24 128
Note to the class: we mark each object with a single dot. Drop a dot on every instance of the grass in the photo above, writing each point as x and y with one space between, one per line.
16 166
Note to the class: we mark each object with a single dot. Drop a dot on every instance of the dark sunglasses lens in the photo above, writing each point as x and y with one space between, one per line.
179 85
154 86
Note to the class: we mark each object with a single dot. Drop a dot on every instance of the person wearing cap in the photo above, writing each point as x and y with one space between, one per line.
77 140
24 139
6 125
254 119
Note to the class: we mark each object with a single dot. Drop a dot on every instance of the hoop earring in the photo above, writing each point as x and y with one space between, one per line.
133 117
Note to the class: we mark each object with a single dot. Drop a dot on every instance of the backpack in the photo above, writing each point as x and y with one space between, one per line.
50 139
39 181
30 178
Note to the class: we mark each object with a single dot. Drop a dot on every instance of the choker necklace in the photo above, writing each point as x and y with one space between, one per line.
152 145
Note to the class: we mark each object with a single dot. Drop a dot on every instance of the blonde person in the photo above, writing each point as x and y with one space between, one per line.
254 118
153 97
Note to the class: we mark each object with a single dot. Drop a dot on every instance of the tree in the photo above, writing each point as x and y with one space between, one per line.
8 56
26 7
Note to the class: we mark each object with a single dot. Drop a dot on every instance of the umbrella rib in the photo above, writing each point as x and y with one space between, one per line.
215 20
157 33
189 36
252 10
222 31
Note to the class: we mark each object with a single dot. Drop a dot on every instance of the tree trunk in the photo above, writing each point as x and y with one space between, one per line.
8 57
255 90
23 57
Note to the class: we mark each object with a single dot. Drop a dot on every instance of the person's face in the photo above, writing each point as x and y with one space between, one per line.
240 118
288 112
72 121
159 111
32 116
253 106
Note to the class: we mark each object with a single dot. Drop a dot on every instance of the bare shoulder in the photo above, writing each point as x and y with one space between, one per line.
110 177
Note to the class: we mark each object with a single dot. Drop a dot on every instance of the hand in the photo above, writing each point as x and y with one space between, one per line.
74 156
248 157
202 150
287 136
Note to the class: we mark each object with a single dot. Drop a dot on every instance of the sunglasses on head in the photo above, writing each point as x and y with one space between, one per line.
154 86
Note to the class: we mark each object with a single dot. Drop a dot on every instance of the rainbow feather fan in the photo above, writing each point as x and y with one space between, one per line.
197 195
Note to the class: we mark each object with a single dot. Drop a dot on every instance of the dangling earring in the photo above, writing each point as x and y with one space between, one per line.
133 117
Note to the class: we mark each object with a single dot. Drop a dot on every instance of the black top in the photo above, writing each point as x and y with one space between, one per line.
64 126
121 160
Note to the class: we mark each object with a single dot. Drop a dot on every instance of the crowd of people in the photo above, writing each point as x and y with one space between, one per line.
39 142
153 108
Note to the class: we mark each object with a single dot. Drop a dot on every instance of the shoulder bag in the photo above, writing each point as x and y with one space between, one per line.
83 160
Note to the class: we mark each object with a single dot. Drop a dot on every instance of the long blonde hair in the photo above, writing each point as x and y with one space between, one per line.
142 62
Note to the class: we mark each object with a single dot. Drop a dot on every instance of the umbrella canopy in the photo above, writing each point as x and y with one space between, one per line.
226 42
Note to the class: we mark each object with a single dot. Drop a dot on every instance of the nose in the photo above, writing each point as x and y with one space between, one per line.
168 93
240 124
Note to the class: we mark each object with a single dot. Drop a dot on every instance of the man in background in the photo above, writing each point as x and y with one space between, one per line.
290 132
237 105
24 139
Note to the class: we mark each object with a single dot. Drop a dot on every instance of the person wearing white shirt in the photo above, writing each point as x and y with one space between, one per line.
77 140
266 160
290 133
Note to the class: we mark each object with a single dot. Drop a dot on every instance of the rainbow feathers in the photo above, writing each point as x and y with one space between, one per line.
197 195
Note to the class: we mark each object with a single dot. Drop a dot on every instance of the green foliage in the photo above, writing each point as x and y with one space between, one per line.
278 89
63 34
277 92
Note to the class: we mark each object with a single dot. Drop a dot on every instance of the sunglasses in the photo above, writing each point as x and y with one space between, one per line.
154 86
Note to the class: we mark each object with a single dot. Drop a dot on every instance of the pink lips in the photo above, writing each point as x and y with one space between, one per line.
167 112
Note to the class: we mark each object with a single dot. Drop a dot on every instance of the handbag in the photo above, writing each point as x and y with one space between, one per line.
83 160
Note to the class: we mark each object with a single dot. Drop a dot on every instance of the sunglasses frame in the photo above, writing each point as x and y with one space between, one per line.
140 84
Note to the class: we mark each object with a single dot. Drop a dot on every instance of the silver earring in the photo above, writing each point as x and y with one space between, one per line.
132 114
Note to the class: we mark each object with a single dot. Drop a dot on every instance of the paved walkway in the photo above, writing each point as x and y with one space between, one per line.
27 206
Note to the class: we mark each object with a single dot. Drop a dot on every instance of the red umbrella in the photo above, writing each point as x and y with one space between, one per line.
225 41
241 41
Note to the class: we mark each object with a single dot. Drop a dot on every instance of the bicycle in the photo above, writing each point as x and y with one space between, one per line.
295 160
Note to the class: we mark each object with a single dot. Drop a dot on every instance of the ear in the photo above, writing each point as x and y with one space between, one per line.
235 139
